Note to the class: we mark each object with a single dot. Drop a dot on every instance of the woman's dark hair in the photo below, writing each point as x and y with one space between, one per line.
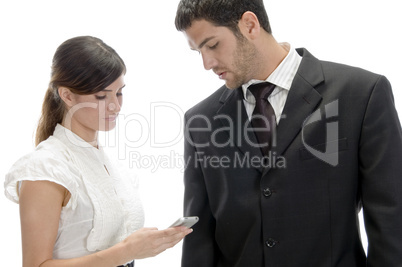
85 65
220 13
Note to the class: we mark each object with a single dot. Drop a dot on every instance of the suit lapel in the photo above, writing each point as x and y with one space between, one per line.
302 100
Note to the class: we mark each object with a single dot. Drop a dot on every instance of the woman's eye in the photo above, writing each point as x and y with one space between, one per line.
99 97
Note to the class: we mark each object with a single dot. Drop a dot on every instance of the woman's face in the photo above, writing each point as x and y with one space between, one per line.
89 114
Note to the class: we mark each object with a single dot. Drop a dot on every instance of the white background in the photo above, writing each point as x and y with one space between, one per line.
161 68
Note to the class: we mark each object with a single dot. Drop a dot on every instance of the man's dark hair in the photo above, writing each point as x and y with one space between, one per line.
225 13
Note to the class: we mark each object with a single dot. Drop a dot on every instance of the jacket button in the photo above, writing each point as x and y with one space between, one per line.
271 243
267 192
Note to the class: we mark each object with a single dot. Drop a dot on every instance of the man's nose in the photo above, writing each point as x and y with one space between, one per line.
208 61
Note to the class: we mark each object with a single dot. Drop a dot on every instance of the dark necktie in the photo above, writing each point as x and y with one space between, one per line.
263 119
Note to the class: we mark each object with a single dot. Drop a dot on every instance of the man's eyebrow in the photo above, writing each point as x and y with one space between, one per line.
205 41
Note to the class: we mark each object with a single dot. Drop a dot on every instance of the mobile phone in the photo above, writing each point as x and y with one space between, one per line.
185 221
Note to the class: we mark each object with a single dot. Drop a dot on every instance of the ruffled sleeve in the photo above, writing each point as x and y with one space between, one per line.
42 165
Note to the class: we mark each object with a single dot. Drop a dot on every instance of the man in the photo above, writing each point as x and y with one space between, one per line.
332 143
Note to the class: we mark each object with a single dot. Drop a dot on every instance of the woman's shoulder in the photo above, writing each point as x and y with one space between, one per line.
50 161
49 153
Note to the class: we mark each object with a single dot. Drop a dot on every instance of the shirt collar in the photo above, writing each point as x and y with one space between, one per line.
77 144
71 139
283 75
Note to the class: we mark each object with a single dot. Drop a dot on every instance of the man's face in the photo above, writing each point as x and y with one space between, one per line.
232 58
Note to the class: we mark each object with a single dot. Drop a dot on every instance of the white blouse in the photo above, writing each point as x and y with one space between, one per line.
104 207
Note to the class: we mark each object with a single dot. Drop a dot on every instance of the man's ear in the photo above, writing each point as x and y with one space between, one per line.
249 25
67 96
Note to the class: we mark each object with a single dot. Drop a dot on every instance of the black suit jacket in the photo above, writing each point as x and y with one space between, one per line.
338 148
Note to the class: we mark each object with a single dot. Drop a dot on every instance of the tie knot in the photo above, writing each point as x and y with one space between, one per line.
261 90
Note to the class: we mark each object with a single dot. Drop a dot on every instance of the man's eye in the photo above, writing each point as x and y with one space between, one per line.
214 46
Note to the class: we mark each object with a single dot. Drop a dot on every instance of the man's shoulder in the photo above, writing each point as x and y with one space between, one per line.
335 69
337 80
350 77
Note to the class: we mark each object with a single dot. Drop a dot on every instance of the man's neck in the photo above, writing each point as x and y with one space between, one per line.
273 53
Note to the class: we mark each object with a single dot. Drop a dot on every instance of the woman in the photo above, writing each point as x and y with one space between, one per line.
75 208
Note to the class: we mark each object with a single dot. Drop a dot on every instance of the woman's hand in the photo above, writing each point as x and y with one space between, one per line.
149 242
40 208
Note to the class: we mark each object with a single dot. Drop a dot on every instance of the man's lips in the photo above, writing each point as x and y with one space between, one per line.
222 75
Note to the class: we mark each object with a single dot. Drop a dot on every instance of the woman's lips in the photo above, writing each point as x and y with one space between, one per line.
111 118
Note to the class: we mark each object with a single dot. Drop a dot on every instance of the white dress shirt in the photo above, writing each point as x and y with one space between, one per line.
104 207
282 77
